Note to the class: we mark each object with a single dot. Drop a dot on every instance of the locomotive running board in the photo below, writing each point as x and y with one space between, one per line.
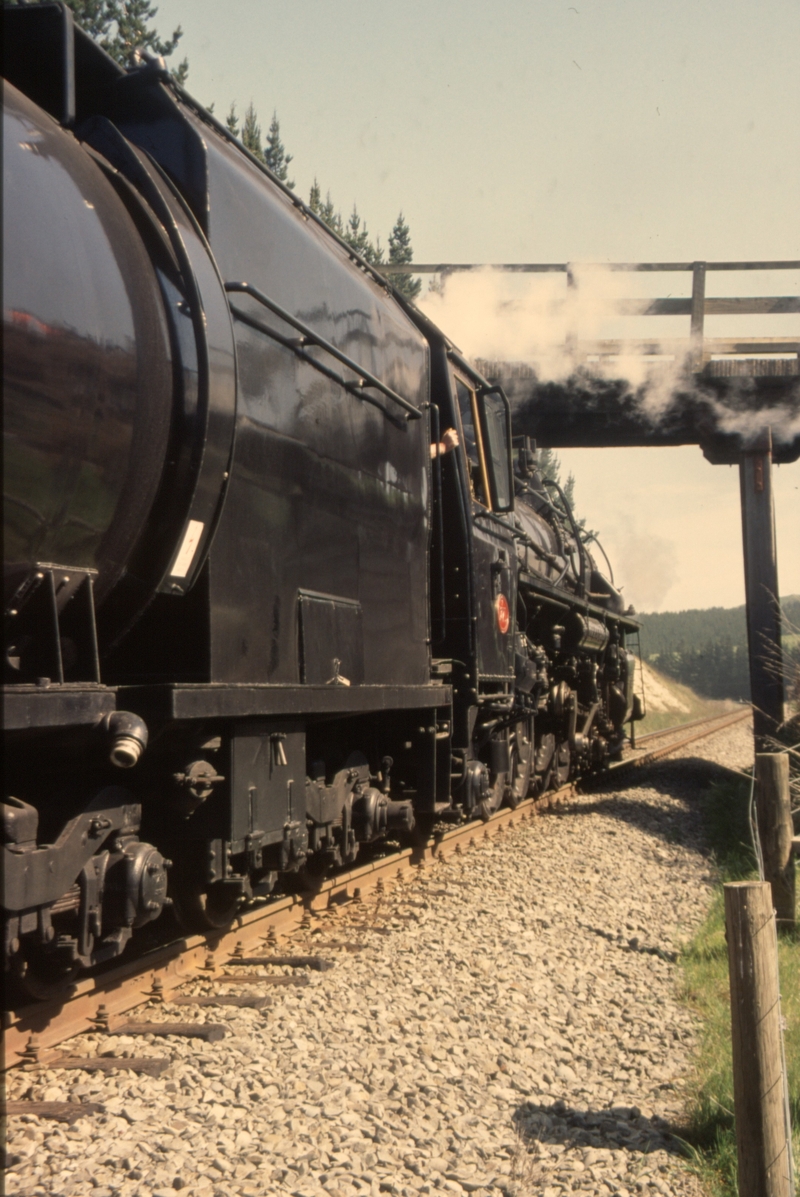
80 704
241 700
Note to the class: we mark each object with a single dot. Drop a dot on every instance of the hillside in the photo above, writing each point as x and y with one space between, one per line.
668 702
707 649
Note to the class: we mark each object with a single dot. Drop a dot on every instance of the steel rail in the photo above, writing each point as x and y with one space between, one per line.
682 727
654 754
206 957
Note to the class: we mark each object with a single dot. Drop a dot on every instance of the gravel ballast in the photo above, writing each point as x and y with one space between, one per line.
511 1026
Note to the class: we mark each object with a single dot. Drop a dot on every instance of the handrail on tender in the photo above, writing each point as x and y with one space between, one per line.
313 338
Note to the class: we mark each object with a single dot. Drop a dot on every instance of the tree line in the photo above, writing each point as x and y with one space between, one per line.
707 649
717 669
548 464
272 152
124 30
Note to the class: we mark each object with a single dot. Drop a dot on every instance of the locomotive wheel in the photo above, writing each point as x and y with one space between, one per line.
41 977
520 776
561 764
423 830
494 799
210 910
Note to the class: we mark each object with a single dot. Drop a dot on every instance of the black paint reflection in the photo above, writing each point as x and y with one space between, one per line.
87 379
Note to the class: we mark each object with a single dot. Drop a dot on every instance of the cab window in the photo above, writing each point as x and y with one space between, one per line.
486 426
472 442
496 440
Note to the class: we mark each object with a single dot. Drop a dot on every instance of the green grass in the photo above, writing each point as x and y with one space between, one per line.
698 707
710 1134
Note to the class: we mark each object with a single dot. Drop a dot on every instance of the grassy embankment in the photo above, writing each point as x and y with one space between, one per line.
668 703
710 1132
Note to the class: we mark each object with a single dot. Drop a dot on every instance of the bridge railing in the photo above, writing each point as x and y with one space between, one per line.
768 356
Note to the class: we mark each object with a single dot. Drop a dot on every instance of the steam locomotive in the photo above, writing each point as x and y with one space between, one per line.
254 626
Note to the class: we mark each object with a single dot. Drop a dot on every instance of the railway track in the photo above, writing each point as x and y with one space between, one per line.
698 729
32 1034
680 728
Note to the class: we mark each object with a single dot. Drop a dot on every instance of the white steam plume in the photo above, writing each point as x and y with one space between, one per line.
646 565
536 319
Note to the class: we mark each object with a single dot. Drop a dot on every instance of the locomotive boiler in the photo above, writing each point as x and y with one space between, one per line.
253 626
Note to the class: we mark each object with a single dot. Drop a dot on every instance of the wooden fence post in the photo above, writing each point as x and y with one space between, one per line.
775 831
763 1139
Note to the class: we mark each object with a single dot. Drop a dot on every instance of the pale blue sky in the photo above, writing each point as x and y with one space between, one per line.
527 131
542 131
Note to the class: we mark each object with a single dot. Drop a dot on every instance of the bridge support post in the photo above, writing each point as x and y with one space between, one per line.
761 591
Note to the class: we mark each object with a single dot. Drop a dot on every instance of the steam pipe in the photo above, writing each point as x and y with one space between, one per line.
435 421
127 736
575 531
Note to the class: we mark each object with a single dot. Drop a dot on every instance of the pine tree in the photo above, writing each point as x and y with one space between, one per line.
95 16
587 534
326 211
374 253
232 121
275 154
332 218
548 464
401 254
181 73
250 136
356 236
133 35
122 29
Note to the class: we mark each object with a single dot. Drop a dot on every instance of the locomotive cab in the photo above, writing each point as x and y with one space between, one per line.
532 630
473 580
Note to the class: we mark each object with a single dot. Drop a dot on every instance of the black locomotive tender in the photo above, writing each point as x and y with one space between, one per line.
251 625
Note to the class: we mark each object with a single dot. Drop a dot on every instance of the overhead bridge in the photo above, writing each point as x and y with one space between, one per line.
713 382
